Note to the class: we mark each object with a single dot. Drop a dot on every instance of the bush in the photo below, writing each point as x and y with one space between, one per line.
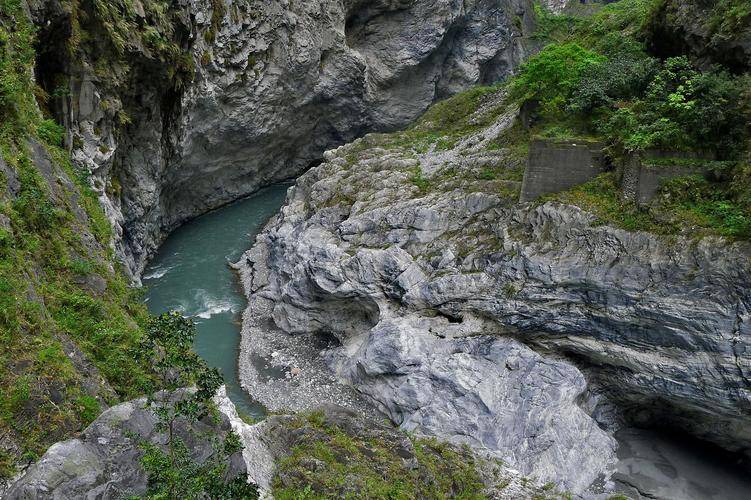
50 132
551 76
682 108
627 73
173 473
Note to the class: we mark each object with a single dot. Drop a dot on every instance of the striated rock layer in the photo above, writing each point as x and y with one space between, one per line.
275 84
461 314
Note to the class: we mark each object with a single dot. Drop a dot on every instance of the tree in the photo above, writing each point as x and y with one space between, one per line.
183 394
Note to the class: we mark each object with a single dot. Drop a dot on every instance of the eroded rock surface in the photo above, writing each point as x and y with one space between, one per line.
105 461
275 84
381 447
459 313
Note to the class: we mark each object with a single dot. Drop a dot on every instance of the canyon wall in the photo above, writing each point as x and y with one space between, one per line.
528 330
270 87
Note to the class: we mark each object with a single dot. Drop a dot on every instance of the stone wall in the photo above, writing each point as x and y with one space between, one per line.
555 166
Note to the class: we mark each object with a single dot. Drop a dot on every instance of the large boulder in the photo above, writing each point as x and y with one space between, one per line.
105 461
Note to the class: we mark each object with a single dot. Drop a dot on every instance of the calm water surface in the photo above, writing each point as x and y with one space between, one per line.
190 274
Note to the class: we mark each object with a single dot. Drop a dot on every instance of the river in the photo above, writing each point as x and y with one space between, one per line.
191 274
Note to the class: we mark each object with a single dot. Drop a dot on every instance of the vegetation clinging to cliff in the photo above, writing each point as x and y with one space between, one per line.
68 320
616 91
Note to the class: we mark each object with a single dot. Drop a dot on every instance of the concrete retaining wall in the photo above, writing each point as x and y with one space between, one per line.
641 180
555 166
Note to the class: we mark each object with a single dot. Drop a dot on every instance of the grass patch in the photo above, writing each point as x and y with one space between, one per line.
690 205
327 462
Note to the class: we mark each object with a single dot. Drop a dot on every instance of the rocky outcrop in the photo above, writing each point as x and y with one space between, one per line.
380 448
105 461
512 328
275 84
711 31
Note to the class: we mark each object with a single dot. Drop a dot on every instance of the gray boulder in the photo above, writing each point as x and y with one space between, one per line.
104 462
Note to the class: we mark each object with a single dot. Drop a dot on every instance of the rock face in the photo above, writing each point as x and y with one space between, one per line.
276 83
461 314
105 461
268 443
713 32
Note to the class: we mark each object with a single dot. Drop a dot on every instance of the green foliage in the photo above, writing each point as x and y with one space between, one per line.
615 91
44 309
50 132
635 101
167 345
685 109
89 408
17 101
551 76
730 16
448 121
417 178
328 462
175 475
34 208
690 205
554 27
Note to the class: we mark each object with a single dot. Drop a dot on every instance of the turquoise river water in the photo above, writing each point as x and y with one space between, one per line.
191 274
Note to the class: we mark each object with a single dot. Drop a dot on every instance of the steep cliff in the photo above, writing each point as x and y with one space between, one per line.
463 315
67 318
405 267
203 102
714 31
284 455
160 111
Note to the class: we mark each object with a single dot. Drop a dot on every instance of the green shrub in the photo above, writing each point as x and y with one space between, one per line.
173 473
88 408
683 108
551 76
50 132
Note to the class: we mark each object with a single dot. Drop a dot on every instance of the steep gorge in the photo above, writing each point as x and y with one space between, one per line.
265 89
455 311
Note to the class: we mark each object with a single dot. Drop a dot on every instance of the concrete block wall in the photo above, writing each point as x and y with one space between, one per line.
557 165
642 179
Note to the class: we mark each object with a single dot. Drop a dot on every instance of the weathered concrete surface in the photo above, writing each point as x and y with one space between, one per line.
642 178
554 166
423 286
